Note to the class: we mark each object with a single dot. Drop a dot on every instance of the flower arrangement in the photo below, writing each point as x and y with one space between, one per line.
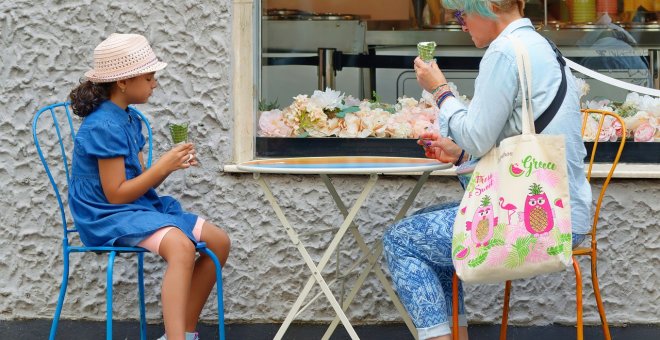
641 113
330 113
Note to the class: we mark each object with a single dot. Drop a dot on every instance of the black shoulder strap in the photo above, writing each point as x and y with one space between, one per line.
544 119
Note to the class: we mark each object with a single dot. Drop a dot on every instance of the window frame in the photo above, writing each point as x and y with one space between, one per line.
245 88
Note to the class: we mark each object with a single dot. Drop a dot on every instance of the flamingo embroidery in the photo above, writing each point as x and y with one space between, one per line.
510 208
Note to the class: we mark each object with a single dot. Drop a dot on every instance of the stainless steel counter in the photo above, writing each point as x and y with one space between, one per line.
455 37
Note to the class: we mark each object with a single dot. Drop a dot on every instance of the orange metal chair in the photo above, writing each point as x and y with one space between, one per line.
591 250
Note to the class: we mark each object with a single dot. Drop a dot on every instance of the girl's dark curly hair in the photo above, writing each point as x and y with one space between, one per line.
87 96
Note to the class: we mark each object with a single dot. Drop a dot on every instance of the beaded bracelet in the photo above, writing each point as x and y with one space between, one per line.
437 89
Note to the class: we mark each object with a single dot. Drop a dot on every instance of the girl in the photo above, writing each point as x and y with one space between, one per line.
111 195
418 248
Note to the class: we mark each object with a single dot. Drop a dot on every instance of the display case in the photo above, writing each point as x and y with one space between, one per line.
365 50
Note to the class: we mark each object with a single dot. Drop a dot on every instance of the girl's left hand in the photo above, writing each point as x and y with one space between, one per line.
193 161
429 75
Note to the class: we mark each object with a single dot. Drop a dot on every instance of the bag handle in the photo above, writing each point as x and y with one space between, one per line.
525 77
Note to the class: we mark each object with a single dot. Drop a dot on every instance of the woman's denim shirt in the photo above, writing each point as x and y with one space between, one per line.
496 109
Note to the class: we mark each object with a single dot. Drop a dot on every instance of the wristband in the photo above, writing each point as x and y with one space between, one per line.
460 158
442 97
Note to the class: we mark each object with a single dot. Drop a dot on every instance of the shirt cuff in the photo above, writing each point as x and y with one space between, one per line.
449 107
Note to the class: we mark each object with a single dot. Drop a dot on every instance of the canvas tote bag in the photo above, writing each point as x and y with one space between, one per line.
515 218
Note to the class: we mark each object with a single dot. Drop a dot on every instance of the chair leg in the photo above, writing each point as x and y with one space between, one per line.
599 300
143 317
108 296
578 298
60 299
454 306
218 283
505 310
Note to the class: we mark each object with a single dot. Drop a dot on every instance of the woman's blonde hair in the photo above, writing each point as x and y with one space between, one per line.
482 8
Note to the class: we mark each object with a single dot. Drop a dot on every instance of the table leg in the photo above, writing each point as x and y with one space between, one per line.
316 270
373 258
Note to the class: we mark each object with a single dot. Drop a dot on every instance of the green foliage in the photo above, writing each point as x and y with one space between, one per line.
485 201
268 106
556 250
349 109
377 103
457 241
625 110
535 189
494 242
567 237
479 259
519 251
375 98
498 232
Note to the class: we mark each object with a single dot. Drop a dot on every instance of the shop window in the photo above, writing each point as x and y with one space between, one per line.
364 50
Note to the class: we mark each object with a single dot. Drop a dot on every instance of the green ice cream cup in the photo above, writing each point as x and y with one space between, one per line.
179 132
426 49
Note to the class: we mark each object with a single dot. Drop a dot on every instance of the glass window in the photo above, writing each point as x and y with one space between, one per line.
365 49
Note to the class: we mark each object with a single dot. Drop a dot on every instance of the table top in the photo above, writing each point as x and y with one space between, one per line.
343 165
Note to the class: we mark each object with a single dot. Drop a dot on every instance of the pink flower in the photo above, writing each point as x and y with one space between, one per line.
645 132
271 124
607 134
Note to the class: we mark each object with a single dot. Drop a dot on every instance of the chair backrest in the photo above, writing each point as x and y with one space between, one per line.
54 141
594 121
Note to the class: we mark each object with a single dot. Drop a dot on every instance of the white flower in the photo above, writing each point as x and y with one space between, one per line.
407 102
650 105
427 98
582 86
599 105
328 99
590 130
351 101
271 124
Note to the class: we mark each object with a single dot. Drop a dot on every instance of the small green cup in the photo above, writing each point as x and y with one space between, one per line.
426 49
179 132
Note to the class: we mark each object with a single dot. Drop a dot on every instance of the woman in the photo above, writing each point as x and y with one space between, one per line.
418 248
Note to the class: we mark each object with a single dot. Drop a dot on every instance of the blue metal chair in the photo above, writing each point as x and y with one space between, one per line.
61 162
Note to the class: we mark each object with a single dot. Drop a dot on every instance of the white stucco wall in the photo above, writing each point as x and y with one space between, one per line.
45 48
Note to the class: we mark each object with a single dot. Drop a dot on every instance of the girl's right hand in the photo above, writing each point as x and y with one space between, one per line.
177 158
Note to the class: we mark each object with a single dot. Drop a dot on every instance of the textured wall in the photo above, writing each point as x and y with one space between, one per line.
47 47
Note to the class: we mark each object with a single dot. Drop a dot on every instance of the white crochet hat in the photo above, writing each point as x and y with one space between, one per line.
123 56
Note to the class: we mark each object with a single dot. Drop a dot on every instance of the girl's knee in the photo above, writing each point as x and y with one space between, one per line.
177 247
216 238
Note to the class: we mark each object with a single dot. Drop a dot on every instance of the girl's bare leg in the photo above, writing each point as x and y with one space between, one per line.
203 277
179 252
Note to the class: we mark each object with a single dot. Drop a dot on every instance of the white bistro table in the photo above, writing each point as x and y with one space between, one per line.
325 166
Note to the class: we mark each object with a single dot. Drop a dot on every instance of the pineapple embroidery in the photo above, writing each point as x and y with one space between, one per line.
538 212
483 223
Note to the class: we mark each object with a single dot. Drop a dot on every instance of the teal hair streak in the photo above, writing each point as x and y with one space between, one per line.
479 7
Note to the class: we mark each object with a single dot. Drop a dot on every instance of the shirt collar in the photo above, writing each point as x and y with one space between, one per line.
516 24
116 112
